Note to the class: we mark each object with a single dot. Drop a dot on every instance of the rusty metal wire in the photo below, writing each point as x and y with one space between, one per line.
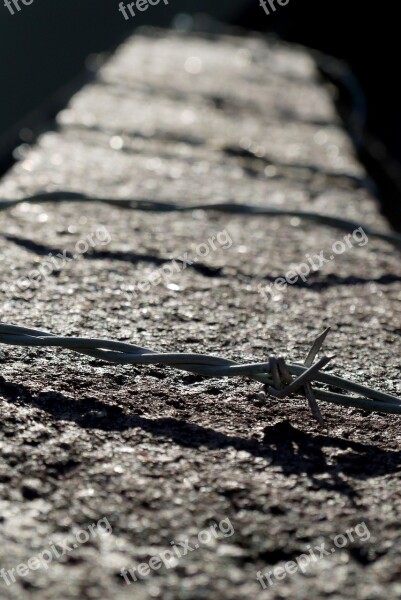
275 374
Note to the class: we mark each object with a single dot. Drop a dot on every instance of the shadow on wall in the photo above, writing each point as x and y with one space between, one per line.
44 44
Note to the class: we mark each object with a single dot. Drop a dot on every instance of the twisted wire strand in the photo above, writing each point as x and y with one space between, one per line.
223 207
275 373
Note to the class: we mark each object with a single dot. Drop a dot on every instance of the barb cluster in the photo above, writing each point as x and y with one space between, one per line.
275 374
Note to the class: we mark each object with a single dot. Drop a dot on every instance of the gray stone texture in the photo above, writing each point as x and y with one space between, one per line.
162 454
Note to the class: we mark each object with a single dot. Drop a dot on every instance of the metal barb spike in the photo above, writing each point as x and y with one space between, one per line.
313 352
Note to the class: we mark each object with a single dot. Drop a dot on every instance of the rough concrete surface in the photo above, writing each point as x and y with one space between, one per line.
161 454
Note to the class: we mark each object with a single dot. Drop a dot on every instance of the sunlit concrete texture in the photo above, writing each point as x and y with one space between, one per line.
161 454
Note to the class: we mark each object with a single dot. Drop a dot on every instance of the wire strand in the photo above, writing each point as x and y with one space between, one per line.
273 373
232 208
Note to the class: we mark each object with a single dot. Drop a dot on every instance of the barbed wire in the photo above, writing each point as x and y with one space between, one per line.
275 374
232 208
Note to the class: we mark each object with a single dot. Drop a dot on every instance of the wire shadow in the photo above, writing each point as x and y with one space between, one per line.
316 283
293 450
331 280
130 257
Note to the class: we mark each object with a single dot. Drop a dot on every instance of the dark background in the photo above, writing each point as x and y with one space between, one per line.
45 46
365 34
